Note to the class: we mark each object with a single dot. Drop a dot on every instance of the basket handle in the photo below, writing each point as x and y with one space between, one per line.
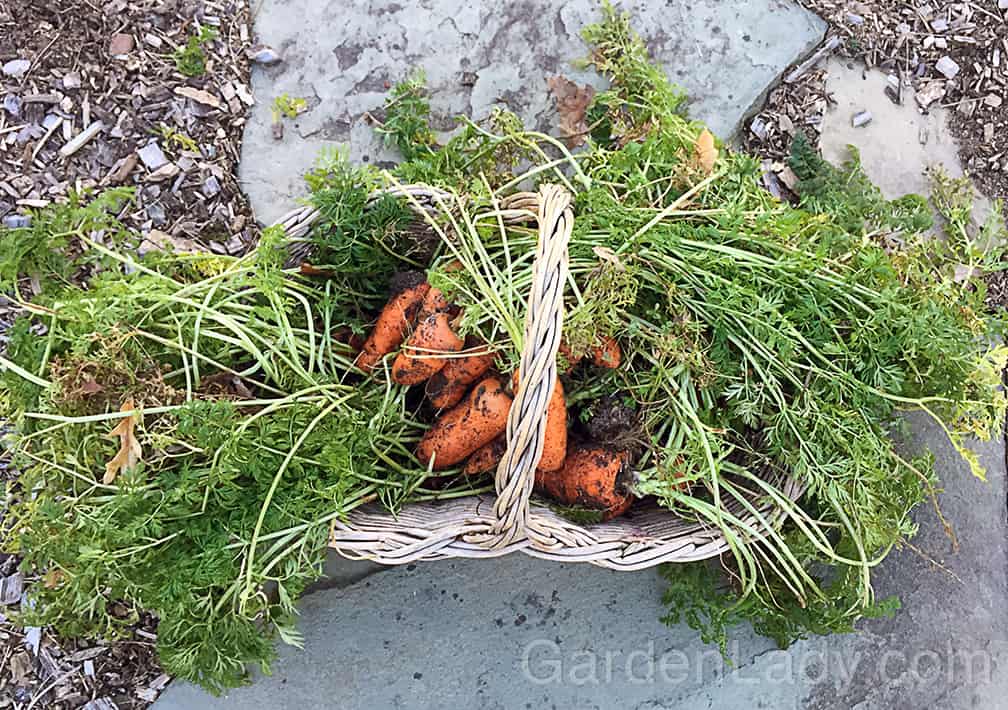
537 371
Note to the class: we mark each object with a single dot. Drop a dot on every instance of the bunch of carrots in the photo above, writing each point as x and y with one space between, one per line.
472 399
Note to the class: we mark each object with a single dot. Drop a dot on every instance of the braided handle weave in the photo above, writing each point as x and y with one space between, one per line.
537 371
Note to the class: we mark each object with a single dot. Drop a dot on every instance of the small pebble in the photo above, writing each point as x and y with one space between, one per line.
71 80
947 66
16 68
156 213
29 133
263 54
50 120
17 221
12 105
152 156
939 24
854 19
120 44
861 118
993 100
1003 4
211 187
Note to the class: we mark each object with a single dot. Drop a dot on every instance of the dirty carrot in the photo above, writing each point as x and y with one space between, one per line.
551 483
424 353
607 353
486 458
434 302
476 421
448 386
591 478
555 441
408 292
566 360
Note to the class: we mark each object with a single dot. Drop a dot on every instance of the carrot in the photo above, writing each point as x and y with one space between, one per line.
475 422
607 354
425 350
551 483
448 386
486 458
555 441
434 302
590 478
565 359
309 270
408 292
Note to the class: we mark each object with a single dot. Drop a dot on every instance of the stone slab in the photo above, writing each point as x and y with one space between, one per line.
343 57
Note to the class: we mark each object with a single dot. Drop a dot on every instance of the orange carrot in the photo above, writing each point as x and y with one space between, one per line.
486 458
607 354
555 441
475 422
590 478
448 386
408 292
309 270
551 483
565 359
425 350
434 302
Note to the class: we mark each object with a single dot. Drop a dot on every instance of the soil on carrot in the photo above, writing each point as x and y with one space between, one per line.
612 421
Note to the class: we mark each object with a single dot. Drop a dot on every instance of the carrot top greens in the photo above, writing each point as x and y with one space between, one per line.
757 337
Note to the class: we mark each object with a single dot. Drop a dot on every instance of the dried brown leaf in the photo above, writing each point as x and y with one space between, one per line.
572 103
130 452
52 578
89 386
608 255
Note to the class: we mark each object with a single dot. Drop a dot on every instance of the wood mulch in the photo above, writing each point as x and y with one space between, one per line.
91 97
950 54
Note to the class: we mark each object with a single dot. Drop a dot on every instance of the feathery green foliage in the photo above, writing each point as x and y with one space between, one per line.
760 340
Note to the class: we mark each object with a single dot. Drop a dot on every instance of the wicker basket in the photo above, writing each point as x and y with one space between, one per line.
489 526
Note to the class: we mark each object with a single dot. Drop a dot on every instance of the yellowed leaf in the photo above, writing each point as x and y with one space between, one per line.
705 152
130 452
